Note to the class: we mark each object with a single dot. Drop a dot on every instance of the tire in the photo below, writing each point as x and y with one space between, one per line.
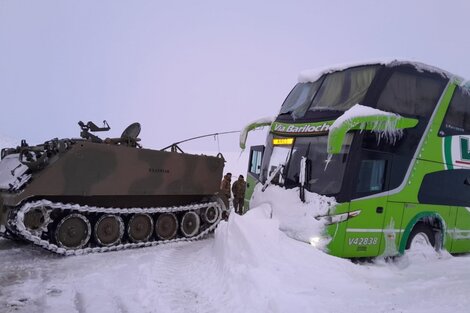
421 232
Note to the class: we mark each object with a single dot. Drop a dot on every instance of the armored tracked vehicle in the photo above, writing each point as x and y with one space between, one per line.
75 196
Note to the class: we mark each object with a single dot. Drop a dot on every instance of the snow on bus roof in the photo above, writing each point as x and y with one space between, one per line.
314 74
466 84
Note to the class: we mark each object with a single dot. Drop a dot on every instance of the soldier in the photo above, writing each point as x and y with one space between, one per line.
238 189
225 185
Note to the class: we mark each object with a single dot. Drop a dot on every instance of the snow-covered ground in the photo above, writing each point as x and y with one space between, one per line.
248 265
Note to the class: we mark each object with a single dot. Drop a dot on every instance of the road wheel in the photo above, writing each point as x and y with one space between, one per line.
140 227
190 224
166 226
210 214
422 235
36 220
109 230
73 231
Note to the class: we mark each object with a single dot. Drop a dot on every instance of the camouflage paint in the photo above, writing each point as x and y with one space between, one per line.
104 174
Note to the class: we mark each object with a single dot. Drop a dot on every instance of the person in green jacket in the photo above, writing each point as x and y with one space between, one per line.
238 190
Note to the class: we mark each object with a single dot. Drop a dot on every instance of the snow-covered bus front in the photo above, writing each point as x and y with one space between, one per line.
387 141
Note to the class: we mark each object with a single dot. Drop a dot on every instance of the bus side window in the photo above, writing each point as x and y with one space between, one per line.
255 162
256 157
448 187
371 177
457 119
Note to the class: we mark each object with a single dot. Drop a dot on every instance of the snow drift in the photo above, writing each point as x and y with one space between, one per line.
264 268
296 218
250 264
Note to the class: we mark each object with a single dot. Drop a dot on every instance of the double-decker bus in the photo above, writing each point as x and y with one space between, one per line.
390 141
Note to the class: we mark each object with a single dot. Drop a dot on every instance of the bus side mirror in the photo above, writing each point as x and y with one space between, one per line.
389 123
253 125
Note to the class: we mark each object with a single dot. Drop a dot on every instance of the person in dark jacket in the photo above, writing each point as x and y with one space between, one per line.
238 189
225 185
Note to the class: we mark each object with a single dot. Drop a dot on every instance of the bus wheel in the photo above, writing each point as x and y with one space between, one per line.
422 235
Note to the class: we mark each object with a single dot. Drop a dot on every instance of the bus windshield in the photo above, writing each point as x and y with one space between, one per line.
324 173
279 156
337 91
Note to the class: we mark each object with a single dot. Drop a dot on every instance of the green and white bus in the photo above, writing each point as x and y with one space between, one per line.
389 141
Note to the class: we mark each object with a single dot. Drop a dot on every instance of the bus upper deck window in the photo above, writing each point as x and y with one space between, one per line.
457 119
299 99
341 90
412 94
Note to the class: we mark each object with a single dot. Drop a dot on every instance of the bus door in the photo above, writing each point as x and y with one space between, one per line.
254 171
364 231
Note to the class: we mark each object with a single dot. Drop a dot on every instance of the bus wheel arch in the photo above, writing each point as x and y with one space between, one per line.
428 225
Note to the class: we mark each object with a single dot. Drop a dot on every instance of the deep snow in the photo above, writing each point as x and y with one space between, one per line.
248 265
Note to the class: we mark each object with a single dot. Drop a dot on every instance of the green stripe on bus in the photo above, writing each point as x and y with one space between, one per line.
448 152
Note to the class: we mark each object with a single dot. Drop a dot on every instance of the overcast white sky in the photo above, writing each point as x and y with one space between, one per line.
186 68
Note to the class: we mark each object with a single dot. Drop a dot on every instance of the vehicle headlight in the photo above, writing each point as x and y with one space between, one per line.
314 241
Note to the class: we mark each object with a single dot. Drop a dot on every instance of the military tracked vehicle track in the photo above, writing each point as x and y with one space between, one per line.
72 229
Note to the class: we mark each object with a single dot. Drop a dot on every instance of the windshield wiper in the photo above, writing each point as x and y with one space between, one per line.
271 177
